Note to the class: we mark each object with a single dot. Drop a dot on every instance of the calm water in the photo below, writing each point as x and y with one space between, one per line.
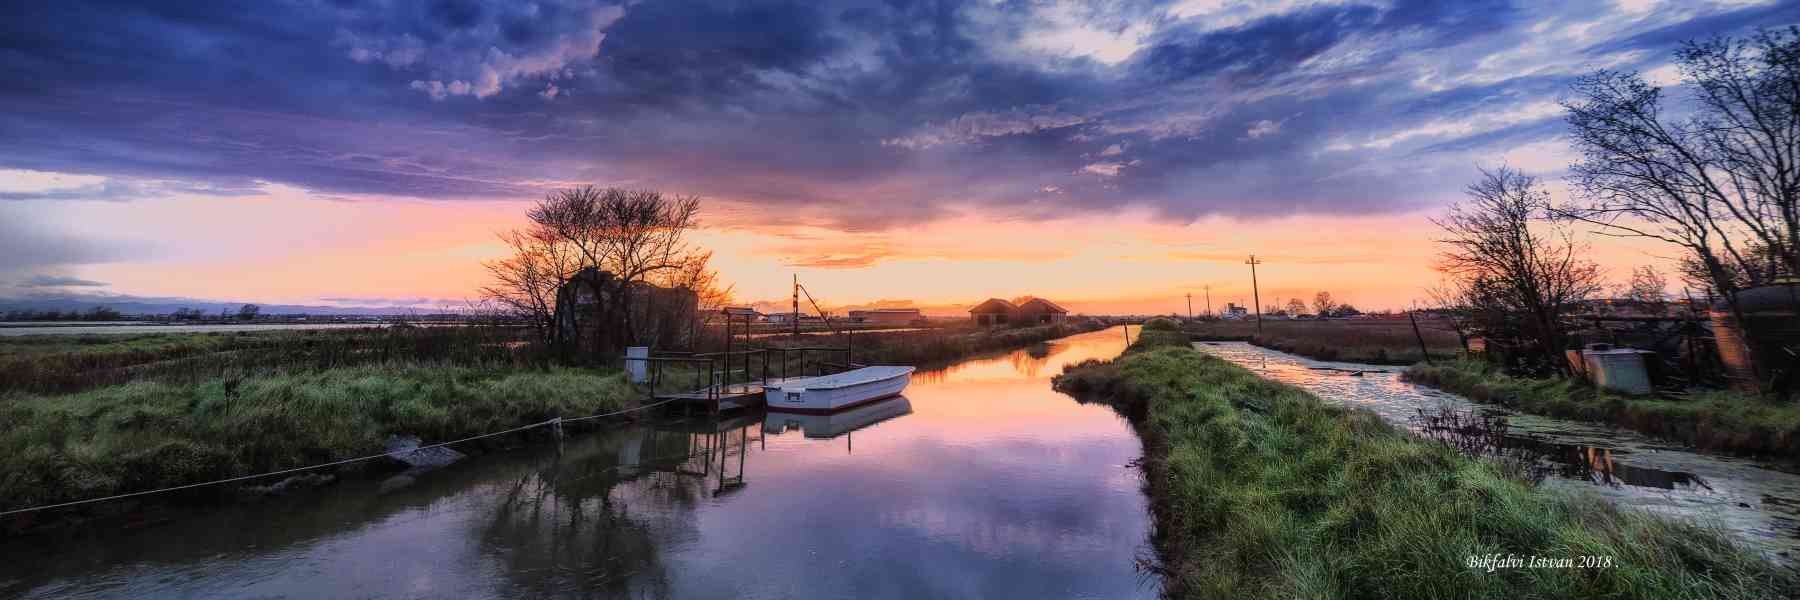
1760 505
980 483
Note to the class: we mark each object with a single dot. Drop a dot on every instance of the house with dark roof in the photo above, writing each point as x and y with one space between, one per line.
1030 311
992 312
1039 311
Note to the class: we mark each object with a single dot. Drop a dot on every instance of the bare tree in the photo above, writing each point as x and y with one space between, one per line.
1453 299
1722 183
630 234
1497 247
1323 303
525 284
1649 289
695 274
1295 307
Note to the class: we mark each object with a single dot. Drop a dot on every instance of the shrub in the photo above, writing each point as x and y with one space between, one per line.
1161 324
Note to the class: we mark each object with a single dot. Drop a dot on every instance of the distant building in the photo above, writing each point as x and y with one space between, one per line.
1040 311
787 318
1033 311
1234 312
887 316
994 311
659 316
1625 307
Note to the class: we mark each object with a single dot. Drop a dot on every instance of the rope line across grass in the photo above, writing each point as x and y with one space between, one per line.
329 464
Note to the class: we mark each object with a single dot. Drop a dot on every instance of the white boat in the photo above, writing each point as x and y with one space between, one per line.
830 393
827 426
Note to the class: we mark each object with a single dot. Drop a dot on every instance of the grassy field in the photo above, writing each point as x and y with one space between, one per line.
67 363
1376 341
1714 420
149 435
1261 490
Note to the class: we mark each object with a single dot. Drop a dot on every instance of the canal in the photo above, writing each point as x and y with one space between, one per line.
1759 505
980 482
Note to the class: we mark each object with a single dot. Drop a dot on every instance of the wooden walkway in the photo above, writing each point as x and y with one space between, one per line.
722 398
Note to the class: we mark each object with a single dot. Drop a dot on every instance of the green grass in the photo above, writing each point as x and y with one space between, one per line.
1261 490
67 363
1374 341
108 343
1713 420
1161 324
147 435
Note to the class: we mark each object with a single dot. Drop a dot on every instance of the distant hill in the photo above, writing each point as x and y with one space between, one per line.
137 305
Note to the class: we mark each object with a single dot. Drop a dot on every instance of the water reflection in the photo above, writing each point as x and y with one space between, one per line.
1488 433
980 482
1756 503
838 424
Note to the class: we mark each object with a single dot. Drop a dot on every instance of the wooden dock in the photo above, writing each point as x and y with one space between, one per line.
725 397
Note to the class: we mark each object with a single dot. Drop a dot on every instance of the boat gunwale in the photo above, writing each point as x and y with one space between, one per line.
803 385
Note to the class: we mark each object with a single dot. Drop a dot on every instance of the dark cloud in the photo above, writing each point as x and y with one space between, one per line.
863 113
27 246
46 281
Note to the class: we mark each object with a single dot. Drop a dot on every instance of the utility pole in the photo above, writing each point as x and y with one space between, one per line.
1190 298
1208 289
1256 295
1426 354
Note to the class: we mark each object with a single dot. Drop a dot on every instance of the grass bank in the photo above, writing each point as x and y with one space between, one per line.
148 435
1715 420
1261 490
1373 341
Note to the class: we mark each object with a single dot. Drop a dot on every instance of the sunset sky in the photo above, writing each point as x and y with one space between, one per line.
1111 156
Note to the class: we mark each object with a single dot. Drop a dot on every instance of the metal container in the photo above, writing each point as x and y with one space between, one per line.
1621 370
637 363
1755 351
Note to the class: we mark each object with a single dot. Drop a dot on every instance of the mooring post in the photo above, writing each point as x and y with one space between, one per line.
556 428
1421 337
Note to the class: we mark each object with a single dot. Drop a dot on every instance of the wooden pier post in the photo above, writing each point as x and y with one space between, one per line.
1421 337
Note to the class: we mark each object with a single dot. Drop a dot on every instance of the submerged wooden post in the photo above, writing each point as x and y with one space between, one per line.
557 429
1421 337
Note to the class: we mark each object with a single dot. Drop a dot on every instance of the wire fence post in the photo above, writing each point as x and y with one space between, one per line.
556 428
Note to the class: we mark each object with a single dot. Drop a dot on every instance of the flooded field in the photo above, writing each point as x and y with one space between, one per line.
979 482
1759 505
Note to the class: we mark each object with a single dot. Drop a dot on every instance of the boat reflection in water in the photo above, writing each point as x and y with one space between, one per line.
718 448
832 425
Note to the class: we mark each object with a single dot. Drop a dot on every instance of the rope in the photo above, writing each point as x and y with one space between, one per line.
653 405
329 464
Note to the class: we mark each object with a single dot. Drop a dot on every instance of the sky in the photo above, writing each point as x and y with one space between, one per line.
1112 156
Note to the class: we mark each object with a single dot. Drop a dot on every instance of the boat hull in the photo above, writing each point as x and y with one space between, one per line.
823 395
